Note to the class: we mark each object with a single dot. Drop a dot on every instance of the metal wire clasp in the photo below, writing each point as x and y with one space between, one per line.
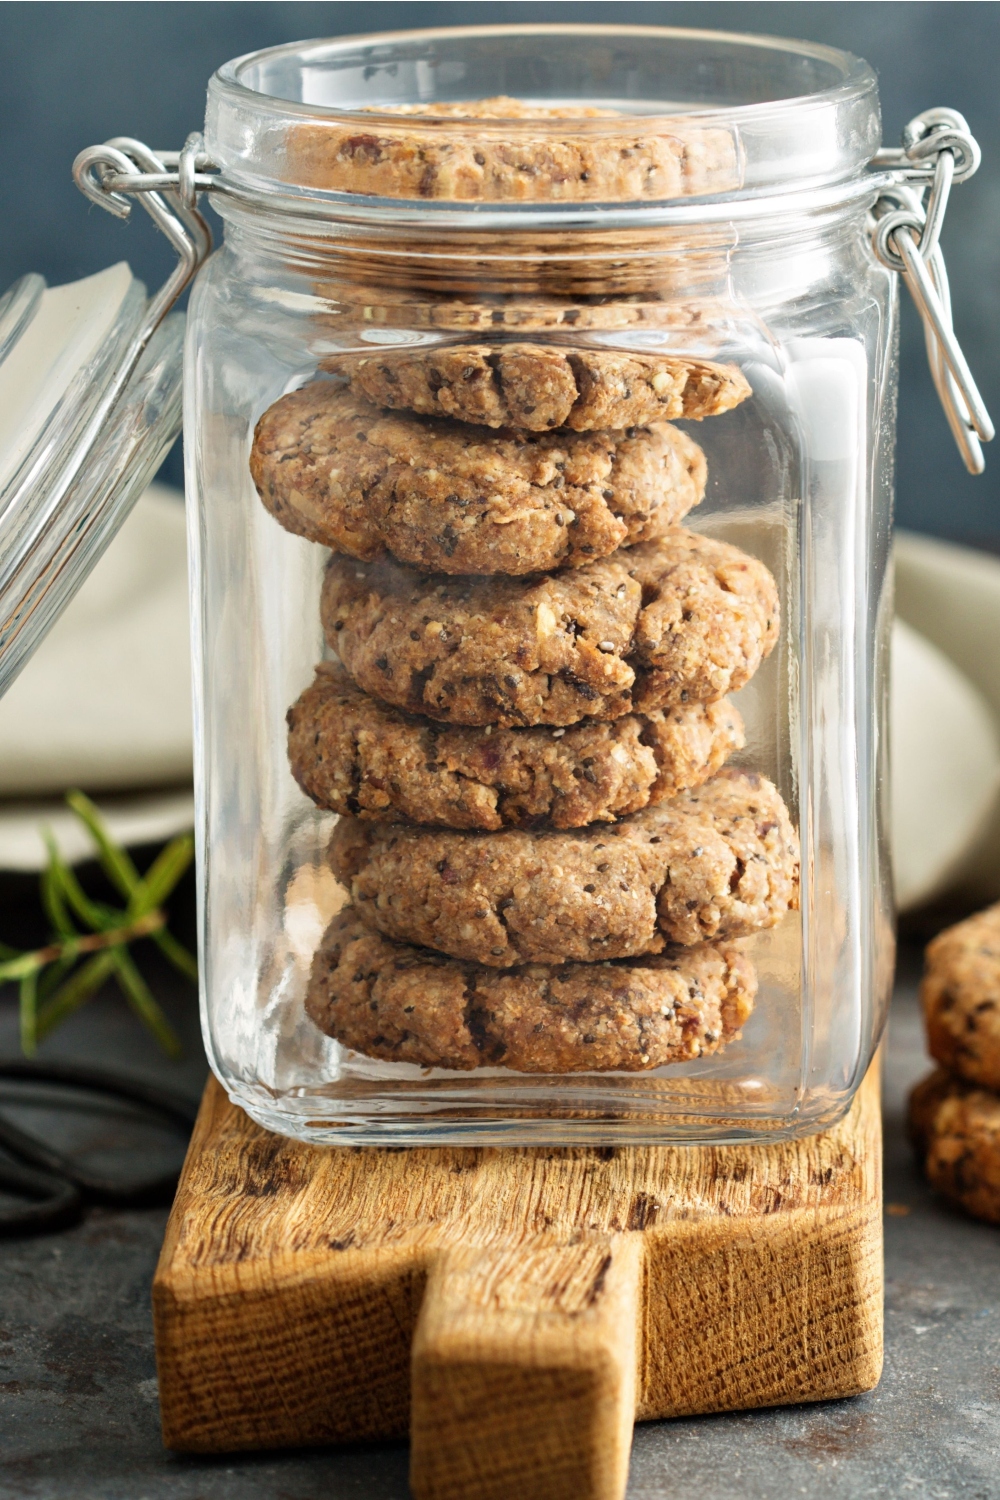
110 174
938 150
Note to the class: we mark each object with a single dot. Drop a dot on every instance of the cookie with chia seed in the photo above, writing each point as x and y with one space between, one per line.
719 861
543 386
710 616
355 755
679 620
956 1129
542 649
403 1004
429 155
960 995
444 496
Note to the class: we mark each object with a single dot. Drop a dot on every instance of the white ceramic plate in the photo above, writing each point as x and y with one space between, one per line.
130 820
945 768
951 595
105 702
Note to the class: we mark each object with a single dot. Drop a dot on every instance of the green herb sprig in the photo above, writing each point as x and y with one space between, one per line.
90 939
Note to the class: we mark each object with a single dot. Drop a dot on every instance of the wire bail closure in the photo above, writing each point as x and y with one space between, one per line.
108 174
938 151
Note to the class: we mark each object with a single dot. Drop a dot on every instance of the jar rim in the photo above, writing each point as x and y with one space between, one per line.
812 120
857 76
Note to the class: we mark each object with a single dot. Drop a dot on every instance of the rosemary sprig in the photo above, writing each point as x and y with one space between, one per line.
90 940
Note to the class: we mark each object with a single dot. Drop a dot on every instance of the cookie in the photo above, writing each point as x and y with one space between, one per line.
441 495
583 263
679 620
403 1004
542 386
960 994
717 862
421 158
364 305
710 616
357 756
956 1128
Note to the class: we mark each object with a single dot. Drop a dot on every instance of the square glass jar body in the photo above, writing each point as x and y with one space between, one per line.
781 287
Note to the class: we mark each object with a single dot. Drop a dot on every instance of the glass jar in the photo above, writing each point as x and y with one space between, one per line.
539 419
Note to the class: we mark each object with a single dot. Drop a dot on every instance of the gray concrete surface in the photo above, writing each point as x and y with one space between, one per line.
78 1414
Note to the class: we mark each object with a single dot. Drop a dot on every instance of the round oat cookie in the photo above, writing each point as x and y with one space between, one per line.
358 756
422 158
403 1004
685 619
960 995
543 386
720 861
956 1129
442 496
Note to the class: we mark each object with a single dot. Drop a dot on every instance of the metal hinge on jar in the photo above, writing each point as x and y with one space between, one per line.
938 150
168 184
914 184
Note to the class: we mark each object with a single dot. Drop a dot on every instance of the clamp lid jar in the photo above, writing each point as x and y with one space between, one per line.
539 416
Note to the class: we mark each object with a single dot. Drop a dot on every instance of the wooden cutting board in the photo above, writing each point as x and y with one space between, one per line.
513 1310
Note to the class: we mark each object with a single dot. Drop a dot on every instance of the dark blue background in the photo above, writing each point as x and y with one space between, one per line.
75 74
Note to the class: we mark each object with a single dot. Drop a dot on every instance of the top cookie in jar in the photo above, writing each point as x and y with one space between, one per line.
515 152
544 386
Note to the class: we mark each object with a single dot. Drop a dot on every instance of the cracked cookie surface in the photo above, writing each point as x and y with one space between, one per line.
351 753
657 158
543 386
960 994
720 861
440 495
956 1129
679 620
403 1004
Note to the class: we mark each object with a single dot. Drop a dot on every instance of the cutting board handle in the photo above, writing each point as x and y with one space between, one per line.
524 1370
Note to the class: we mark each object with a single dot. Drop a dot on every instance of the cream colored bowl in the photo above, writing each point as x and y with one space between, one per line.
105 702
951 596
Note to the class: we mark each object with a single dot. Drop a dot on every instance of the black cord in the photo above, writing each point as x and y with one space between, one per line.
59 1202
58 1184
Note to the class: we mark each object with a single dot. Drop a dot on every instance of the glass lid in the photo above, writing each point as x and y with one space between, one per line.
90 401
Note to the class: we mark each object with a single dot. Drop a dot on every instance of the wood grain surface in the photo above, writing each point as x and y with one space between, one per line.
535 1302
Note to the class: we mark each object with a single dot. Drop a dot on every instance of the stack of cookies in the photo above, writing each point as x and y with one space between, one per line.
525 727
955 1112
